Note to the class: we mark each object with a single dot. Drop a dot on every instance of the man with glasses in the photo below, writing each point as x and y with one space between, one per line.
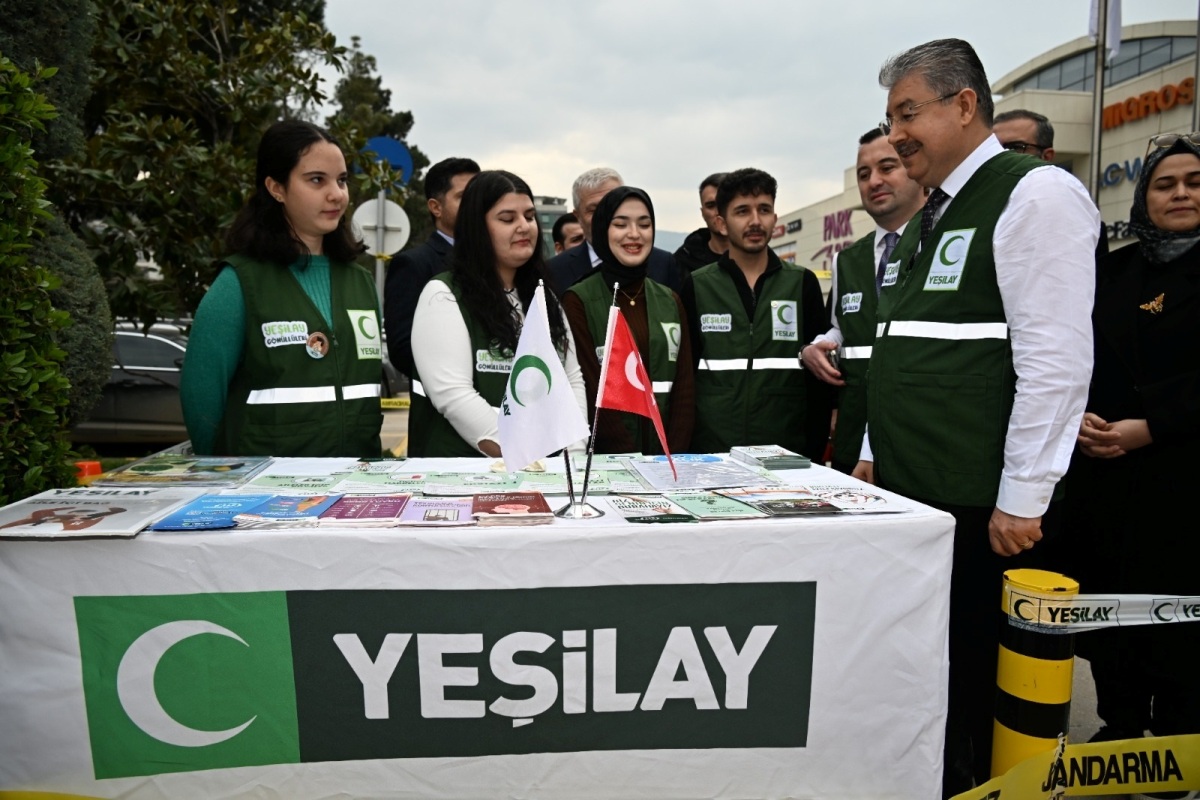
980 369
1027 132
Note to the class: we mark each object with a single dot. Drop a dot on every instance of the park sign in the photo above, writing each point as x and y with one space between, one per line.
345 675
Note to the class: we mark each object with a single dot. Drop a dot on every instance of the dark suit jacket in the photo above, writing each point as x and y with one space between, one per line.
570 265
407 275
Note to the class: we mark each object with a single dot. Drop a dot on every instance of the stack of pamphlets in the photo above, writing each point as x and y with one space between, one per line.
437 511
771 456
80 512
184 470
648 508
210 512
697 472
287 511
511 508
468 483
378 511
711 506
782 501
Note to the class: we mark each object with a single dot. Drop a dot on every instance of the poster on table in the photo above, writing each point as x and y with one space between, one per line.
740 658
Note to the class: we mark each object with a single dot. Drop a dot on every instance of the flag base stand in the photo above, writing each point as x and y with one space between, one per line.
579 511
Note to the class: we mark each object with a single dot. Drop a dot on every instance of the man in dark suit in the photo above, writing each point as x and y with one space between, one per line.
411 269
569 266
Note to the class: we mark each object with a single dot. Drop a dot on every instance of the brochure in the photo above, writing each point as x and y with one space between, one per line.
437 511
700 475
782 501
649 508
181 470
287 511
380 511
710 506
511 508
210 512
468 483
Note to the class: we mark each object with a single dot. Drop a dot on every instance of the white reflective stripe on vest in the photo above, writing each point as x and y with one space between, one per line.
359 391
661 387
948 330
777 363
417 388
880 328
302 394
856 352
724 363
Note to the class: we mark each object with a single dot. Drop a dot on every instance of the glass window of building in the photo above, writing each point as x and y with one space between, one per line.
1137 56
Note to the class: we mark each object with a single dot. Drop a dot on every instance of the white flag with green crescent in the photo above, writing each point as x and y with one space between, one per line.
538 415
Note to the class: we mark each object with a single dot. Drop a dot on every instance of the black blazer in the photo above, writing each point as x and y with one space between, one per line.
407 275
569 266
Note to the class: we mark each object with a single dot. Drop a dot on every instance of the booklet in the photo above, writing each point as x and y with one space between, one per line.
511 508
379 511
84 512
782 501
183 470
771 456
210 512
710 505
437 511
649 508
288 511
858 498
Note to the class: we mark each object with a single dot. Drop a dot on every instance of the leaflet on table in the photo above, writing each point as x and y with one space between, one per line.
78 513
700 472
381 483
857 498
782 500
464 483
710 505
437 511
511 508
603 462
210 512
377 511
556 482
185 470
771 456
625 482
289 510
648 508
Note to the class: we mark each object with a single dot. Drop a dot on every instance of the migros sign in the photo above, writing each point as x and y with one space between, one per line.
1143 105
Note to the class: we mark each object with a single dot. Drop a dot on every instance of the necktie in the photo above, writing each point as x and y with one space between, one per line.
889 244
936 198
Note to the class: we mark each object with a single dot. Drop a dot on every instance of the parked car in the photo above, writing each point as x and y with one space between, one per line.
140 402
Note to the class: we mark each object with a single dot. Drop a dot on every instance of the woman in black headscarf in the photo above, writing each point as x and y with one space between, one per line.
623 235
1138 443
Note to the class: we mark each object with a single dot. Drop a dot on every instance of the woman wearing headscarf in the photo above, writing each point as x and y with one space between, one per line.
1138 444
623 236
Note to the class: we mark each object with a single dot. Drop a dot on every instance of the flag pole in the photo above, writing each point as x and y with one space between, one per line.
587 465
581 509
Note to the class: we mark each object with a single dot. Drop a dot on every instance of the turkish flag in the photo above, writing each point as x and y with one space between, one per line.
624 383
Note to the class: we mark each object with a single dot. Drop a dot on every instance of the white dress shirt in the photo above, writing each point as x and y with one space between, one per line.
834 334
1044 247
446 365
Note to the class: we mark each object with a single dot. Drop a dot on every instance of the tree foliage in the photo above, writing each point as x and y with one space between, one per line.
364 111
181 93
33 391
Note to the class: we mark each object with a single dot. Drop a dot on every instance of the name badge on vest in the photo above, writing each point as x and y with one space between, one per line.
674 334
317 345
890 273
366 333
783 321
851 302
716 323
278 334
487 361
949 259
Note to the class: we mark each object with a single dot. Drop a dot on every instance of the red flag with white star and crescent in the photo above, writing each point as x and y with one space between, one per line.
624 383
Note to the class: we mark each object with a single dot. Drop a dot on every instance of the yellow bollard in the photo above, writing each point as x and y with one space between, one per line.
1034 670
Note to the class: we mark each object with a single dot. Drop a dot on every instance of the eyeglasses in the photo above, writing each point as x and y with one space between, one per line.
910 114
1165 140
1023 147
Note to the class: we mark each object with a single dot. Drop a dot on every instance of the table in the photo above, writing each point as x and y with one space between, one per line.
588 658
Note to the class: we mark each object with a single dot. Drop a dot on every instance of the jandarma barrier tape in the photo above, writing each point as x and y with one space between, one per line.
1168 763
1048 613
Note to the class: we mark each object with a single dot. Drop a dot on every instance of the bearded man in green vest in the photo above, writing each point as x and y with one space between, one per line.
749 312
860 271
983 352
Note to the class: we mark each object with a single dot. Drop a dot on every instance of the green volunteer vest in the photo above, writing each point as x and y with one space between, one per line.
942 381
855 308
749 385
662 314
430 433
284 402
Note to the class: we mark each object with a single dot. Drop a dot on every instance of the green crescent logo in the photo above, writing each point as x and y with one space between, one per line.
675 335
945 247
527 362
779 313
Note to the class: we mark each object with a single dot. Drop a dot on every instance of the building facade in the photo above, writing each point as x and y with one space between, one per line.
1149 88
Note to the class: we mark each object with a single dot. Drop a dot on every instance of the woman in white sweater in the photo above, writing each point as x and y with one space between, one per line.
468 320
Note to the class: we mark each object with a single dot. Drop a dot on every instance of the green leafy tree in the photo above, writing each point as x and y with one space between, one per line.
181 93
33 391
364 111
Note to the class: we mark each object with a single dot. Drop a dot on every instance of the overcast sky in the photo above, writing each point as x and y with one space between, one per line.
668 91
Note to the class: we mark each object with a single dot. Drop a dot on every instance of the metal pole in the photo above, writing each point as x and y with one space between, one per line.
1098 100
380 232
1196 103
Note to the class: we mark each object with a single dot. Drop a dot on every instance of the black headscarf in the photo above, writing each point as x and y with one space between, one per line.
1157 245
614 271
